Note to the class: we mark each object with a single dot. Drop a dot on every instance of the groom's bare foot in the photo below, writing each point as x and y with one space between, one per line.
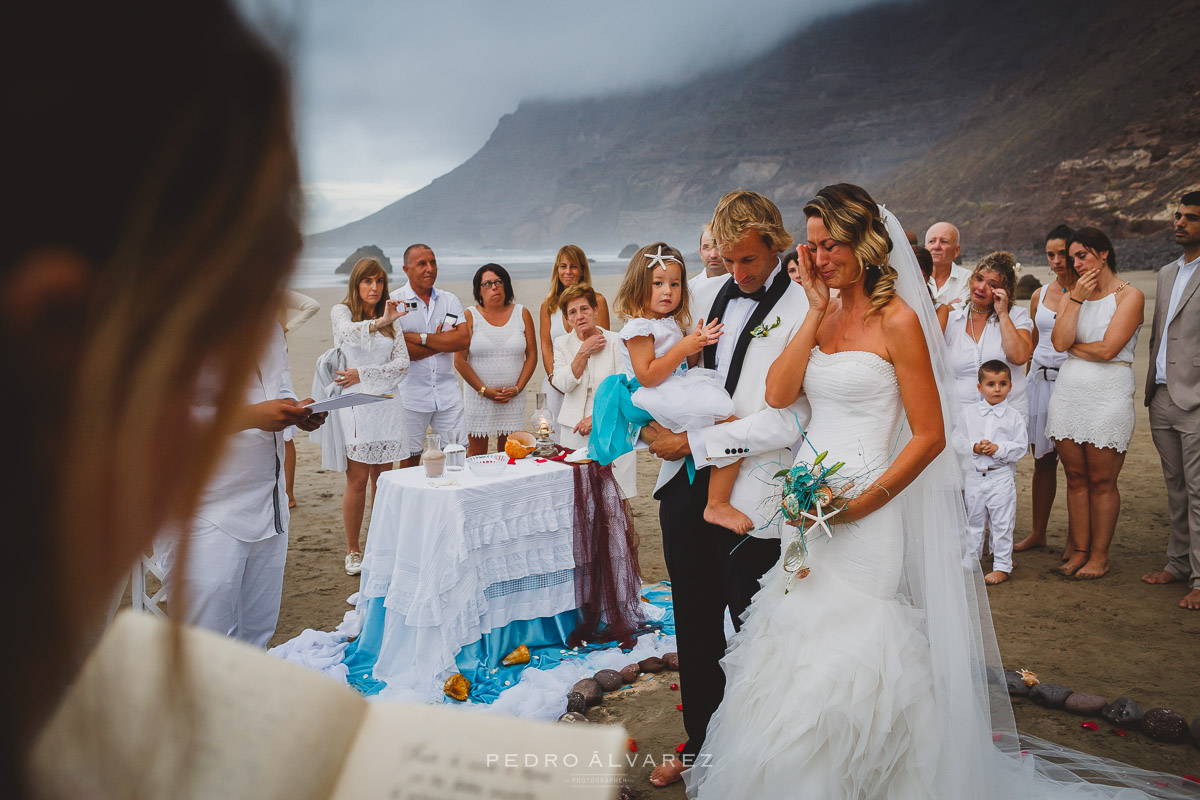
668 772
1191 600
1030 542
1159 576
1074 563
995 577
727 516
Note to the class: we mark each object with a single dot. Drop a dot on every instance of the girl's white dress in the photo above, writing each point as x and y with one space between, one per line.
375 432
966 355
497 354
1093 400
1043 375
689 398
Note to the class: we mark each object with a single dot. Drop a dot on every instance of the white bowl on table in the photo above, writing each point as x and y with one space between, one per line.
488 466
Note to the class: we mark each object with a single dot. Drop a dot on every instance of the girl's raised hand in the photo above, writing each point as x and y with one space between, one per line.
703 336
814 285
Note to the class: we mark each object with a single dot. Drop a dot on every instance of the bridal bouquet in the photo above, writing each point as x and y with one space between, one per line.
808 504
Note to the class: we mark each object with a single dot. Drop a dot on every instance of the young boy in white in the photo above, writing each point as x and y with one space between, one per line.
994 436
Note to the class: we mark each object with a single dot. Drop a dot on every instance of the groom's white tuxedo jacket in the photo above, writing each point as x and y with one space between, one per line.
762 436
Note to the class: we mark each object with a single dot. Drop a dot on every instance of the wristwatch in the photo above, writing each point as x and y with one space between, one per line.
424 338
482 389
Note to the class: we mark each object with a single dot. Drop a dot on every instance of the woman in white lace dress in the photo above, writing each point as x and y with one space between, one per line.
499 362
376 361
1090 417
570 267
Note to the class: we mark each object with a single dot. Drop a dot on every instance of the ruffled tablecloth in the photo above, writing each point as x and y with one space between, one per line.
458 556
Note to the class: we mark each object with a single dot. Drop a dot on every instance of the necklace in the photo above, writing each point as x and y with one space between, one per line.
977 343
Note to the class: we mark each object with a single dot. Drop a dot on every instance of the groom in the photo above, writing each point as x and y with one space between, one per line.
712 568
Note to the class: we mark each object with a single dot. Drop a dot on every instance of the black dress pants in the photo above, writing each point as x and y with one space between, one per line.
711 568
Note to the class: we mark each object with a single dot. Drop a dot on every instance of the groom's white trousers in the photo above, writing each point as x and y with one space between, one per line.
991 499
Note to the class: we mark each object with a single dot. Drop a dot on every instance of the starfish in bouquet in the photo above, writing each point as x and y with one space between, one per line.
820 516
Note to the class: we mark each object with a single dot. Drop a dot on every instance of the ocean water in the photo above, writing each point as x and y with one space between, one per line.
315 270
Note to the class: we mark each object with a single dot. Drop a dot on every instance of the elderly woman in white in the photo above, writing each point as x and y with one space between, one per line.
582 359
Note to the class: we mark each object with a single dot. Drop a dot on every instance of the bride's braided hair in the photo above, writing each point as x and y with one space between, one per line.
852 216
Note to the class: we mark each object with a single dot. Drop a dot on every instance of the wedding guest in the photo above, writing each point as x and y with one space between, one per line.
988 327
582 359
297 310
570 267
434 331
1043 373
1173 395
710 258
228 576
925 262
376 363
498 362
1090 416
992 436
198 196
950 282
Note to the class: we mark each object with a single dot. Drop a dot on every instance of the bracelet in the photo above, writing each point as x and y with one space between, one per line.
1073 300
482 389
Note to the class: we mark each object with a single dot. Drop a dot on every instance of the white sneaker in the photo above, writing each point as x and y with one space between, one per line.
353 563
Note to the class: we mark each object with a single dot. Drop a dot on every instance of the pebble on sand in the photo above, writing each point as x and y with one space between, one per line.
1164 725
590 689
1016 684
629 673
652 664
1050 695
609 679
1089 705
1123 712
672 661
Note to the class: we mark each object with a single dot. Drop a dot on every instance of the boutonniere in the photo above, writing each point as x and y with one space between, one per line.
762 330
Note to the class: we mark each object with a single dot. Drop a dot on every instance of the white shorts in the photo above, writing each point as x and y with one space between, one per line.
449 423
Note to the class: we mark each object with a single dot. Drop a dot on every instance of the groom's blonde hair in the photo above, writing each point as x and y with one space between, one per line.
742 210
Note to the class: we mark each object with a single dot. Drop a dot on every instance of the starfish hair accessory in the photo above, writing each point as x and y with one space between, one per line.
660 259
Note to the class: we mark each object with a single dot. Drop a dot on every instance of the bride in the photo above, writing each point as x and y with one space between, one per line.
877 675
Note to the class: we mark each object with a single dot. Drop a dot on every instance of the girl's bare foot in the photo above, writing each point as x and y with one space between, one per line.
668 772
1191 600
727 516
1093 569
1074 563
1159 576
995 577
1030 542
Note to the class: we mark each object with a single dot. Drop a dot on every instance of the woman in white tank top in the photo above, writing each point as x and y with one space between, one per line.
1090 417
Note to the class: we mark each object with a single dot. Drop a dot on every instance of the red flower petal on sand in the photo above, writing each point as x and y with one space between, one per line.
1192 778
1091 726
1119 731
679 706
674 687
633 745
679 749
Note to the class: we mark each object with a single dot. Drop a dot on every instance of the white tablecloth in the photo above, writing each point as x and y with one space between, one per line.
456 556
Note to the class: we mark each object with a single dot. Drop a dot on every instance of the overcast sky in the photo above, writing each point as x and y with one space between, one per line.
390 95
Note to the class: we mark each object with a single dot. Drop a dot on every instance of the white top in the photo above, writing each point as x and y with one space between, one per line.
246 498
557 326
702 278
373 433
580 392
1094 319
1044 355
956 287
665 332
1186 271
1001 425
737 313
432 383
966 356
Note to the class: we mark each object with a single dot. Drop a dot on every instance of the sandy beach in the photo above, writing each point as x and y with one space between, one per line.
1113 637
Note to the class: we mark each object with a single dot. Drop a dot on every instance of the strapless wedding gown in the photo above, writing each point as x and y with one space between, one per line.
827 687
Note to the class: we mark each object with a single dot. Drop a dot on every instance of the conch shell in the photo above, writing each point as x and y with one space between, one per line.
518 656
520 444
1030 678
457 686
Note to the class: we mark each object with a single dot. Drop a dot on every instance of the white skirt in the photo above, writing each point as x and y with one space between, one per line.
1093 404
1040 388
695 399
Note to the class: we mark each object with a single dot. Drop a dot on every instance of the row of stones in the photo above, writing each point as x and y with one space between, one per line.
1160 724
590 691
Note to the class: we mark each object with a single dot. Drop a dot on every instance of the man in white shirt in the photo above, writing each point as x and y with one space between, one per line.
1173 395
710 260
950 282
231 579
434 330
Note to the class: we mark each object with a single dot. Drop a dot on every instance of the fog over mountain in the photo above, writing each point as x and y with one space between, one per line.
1006 118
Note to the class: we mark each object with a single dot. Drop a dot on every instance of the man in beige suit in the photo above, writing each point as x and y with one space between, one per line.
1173 395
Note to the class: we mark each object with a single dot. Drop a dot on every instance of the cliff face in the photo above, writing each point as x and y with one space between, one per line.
1003 117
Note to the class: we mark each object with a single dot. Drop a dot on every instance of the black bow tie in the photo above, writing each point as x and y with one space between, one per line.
734 292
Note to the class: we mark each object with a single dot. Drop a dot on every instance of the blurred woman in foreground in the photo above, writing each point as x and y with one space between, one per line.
145 248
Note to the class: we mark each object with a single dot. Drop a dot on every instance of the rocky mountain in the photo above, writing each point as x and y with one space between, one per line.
1005 117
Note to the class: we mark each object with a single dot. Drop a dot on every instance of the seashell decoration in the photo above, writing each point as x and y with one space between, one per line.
518 656
457 686
1030 678
520 444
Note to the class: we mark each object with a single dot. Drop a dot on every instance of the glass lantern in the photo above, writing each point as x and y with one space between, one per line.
542 428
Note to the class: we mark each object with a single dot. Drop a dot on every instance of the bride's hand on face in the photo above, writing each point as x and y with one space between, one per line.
814 285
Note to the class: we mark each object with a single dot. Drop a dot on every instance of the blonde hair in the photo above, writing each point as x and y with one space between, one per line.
1004 264
852 217
575 255
742 210
368 268
638 281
